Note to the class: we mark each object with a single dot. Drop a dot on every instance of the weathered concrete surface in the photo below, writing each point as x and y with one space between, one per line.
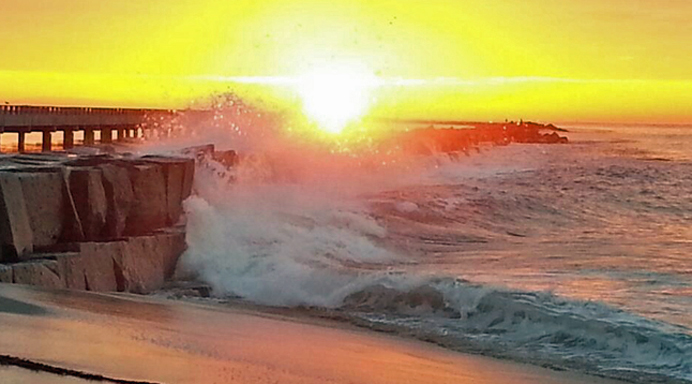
143 263
96 263
42 273
53 214
148 211
89 199
43 195
69 267
5 273
137 264
16 235
188 179
173 243
120 197
177 175
73 230
199 151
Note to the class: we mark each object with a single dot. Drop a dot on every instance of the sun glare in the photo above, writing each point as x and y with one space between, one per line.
335 96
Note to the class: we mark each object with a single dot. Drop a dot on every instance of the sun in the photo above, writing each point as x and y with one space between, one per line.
335 95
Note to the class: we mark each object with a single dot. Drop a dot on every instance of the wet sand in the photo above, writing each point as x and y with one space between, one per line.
126 337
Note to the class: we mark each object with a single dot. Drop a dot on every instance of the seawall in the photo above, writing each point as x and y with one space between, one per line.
96 222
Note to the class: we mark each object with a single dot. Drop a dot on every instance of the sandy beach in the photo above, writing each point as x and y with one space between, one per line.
144 339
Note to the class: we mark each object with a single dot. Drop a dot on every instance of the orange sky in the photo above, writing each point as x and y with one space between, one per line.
576 60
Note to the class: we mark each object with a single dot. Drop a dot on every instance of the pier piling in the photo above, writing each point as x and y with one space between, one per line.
47 144
68 138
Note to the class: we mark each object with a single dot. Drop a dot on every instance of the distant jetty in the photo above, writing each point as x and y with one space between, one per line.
458 136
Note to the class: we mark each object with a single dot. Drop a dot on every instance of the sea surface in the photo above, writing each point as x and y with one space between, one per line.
573 256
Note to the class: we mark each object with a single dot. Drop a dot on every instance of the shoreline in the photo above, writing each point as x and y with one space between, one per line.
144 338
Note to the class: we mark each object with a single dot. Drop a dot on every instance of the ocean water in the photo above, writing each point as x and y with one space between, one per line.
571 256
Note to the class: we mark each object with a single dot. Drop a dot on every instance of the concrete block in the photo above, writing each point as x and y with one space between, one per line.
141 264
175 172
98 265
119 196
146 261
89 199
188 178
72 230
148 211
16 235
172 243
228 158
42 273
43 194
5 273
70 269
198 152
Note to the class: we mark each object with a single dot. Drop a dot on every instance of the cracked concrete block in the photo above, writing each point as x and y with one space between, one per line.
89 198
120 197
42 273
148 211
16 236
49 206
5 273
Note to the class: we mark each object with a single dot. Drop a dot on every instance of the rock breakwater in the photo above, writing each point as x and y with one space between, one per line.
97 222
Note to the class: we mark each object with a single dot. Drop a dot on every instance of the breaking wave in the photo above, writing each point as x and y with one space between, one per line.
411 248
320 245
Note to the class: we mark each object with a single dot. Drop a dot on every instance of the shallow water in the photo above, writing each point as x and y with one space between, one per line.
572 256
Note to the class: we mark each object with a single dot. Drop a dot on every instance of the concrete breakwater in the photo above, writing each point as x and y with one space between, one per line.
98 222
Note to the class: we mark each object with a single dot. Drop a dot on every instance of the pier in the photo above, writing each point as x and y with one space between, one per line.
124 122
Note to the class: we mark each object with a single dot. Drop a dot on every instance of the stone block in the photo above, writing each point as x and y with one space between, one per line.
175 172
89 198
70 269
228 158
72 230
16 235
45 204
119 196
97 261
199 152
149 208
146 261
188 178
5 273
141 265
172 243
42 273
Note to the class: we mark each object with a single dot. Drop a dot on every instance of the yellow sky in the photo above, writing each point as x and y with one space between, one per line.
615 60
